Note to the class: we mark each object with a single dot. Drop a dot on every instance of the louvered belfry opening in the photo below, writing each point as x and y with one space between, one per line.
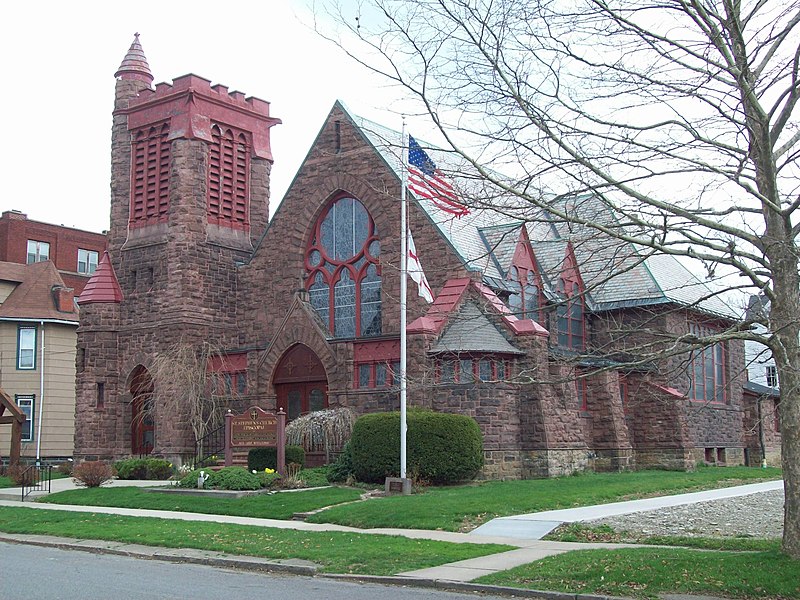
150 185
228 166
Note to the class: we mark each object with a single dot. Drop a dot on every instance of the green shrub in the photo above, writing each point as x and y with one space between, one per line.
259 459
233 478
190 479
143 468
343 467
442 448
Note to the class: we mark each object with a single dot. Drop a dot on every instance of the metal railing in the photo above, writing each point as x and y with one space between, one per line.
36 478
211 444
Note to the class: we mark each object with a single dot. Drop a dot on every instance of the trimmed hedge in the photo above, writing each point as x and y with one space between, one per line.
441 448
259 459
143 468
228 478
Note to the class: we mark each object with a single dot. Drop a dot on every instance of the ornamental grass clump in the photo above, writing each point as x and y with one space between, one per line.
321 431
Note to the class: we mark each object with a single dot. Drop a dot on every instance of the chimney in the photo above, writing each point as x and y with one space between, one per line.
64 299
17 215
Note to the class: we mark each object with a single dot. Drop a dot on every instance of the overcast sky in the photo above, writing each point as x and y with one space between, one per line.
59 62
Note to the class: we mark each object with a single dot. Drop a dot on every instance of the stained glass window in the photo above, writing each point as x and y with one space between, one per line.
342 261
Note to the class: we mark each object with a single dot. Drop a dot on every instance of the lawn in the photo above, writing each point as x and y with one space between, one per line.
335 552
265 506
581 533
646 572
462 508
6 482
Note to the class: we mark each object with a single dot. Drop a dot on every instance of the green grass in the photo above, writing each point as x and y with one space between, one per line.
647 572
266 506
578 532
6 482
335 551
462 508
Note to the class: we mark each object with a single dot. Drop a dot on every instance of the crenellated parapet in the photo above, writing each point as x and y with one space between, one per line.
192 106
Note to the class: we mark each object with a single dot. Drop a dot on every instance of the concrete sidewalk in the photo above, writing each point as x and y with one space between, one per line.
521 531
537 525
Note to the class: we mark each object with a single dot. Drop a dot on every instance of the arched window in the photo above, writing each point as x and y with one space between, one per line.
344 282
525 300
570 315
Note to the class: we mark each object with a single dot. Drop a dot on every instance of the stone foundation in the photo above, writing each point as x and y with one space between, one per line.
672 459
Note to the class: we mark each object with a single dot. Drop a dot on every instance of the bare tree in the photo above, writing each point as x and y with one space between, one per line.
678 115
185 386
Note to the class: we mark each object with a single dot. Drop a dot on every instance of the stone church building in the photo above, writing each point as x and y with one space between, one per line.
534 330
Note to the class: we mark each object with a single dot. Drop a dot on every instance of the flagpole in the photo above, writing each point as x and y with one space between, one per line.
403 295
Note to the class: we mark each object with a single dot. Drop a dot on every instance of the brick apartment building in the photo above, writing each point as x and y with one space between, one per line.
74 252
528 333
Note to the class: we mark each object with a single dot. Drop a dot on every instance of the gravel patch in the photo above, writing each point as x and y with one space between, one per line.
755 515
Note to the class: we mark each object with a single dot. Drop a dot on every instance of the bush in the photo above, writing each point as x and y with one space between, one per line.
19 474
259 459
342 469
442 448
233 478
190 479
143 468
65 468
92 473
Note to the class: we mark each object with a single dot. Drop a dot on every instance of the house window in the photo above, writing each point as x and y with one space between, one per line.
38 251
772 376
342 262
25 404
470 370
87 261
526 300
570 315
707 368
380 374
26 347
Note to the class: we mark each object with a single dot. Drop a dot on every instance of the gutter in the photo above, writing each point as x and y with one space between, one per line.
41 399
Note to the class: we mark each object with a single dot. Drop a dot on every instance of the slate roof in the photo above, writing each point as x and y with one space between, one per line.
470 330
33 297
485 241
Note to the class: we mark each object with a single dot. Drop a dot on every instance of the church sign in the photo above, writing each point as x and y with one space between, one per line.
256 428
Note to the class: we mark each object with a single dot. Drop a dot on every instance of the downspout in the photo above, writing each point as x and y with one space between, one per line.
41 398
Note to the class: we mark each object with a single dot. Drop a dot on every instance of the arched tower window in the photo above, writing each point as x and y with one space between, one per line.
150 177
228 166
526 301
570 312
342 262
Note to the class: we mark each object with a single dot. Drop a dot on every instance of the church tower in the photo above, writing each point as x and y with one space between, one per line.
190 166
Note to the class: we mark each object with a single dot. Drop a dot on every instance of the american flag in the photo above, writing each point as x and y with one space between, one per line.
427 181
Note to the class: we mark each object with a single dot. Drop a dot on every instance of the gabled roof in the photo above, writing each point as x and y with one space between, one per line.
454 293
33 297
103 286
469 330
484 240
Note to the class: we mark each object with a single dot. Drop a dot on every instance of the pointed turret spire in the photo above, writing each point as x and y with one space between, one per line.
134 65
103 286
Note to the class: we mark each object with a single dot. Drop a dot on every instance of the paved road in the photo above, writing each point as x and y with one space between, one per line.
53 574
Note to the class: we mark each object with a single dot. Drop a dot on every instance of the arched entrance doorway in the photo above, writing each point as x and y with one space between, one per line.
300 382
142 421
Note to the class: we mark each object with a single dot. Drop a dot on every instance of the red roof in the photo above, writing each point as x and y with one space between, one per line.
449 299
35 295
103 286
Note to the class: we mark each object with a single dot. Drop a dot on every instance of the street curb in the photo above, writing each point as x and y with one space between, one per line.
254 563
175 555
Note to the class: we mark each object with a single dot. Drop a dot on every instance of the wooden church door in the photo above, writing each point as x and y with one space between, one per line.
301 385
